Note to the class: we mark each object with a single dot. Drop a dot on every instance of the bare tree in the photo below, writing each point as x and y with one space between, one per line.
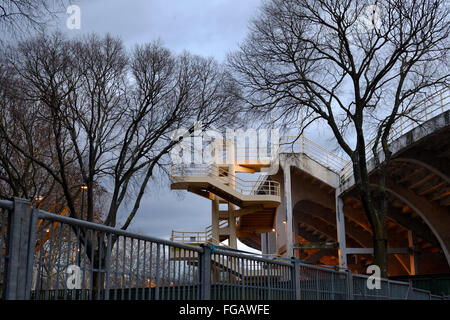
20 16
19 176
359 68
109 115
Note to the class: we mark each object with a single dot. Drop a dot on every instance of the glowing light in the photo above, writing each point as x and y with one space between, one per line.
273 230
39 198
84 187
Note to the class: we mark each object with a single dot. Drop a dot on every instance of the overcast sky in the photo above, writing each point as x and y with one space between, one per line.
204 27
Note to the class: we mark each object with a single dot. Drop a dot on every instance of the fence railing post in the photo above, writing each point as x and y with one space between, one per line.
388 289
350 285
205 273
409 290
296 279
18 269
108 267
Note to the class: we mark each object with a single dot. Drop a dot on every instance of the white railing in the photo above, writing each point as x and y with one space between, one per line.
222 224
196 237
315 151
245 187
189 237
424 110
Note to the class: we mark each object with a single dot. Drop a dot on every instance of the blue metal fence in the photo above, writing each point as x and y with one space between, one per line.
51 257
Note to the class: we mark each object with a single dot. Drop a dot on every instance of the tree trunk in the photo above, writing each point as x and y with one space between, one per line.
375 206
380 246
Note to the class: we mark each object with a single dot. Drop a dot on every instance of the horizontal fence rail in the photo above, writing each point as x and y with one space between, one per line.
68 259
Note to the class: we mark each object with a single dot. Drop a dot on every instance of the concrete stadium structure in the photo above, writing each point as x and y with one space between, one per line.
307 207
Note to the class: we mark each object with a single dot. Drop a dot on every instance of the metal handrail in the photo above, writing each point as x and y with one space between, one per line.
315 151
420 112
200 236
7 204
425 110
245 187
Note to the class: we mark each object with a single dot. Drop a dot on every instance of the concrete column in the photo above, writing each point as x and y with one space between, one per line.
288 206
232 240
215 220
264 243
340 224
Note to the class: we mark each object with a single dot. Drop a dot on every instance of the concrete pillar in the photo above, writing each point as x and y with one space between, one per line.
215 220
232 240
264 243
288 207
340 224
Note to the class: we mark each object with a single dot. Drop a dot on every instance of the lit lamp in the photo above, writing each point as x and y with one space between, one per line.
39 199
83 187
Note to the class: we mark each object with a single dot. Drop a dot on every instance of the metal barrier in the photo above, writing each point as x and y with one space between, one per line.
239 276
322 284
389 289
52 257
108 263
